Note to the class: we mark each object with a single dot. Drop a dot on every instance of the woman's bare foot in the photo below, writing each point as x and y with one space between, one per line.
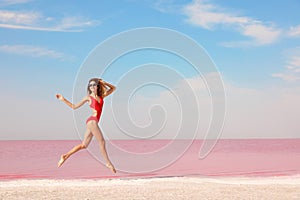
63 158
111 167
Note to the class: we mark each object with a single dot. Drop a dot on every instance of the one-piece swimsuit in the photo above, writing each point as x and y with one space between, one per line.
97 106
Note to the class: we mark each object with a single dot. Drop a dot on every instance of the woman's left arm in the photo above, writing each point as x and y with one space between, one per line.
110 88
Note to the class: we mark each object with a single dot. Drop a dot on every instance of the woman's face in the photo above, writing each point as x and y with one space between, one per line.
93 86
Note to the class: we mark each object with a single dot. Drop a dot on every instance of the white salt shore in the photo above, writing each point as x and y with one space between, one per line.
155 188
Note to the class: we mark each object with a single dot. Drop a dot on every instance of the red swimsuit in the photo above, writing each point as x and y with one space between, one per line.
95 105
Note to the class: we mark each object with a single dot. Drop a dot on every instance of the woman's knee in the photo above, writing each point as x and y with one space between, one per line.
83 146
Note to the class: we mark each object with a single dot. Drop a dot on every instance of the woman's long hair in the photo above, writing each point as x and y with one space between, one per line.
100 87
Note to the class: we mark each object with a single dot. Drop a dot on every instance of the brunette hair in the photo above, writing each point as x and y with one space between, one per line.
100 87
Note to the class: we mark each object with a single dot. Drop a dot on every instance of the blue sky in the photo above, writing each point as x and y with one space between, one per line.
255 45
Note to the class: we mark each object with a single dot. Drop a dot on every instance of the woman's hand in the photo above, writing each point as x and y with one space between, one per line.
59 97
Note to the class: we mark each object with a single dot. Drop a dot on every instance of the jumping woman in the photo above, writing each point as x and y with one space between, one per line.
97 91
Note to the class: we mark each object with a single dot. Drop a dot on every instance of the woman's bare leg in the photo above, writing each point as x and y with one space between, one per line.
85 143
98 135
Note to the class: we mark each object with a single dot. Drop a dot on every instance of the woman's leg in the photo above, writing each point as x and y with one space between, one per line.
85 143
93 126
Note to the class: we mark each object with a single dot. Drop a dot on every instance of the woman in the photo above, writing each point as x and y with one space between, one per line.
97 91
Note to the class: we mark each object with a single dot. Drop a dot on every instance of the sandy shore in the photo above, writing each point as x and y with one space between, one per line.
155 188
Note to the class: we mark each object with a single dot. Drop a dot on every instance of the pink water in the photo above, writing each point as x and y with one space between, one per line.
147 158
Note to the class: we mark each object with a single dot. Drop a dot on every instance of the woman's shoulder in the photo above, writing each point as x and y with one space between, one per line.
87 98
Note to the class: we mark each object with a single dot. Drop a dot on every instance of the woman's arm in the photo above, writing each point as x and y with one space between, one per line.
109 88
73 106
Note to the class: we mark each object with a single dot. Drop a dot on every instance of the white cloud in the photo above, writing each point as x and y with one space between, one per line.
261 34
12 2
294 31
24 18
33 51
209 16
36 28
294 63
292 68
36 21
164 6
74 22
286 76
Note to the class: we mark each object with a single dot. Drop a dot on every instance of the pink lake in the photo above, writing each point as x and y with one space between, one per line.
150 158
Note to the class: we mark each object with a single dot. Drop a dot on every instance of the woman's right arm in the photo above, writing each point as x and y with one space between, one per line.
73 106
